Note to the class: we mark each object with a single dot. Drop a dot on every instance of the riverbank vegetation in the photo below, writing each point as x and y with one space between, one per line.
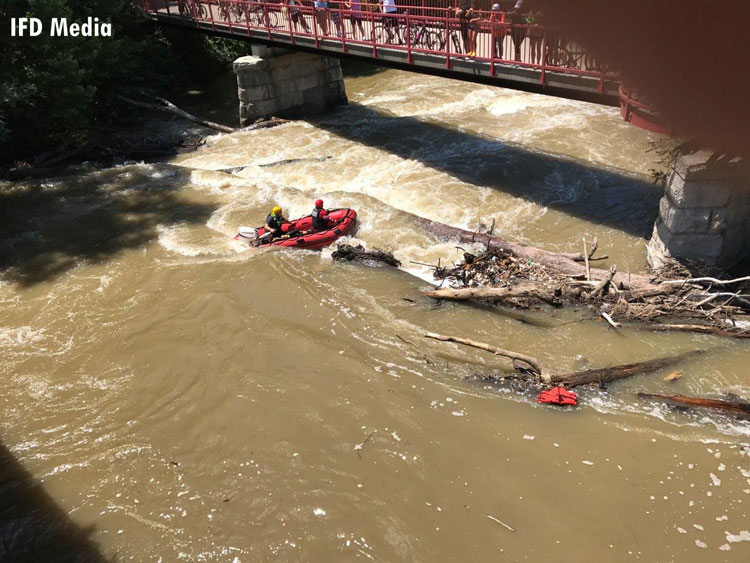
59 91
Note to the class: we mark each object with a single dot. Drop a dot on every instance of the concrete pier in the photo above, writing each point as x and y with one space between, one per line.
275 82
705 212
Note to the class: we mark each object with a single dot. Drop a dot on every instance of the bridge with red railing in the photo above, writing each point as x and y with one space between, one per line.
502 48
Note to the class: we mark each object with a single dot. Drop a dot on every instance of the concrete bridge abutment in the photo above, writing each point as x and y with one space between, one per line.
705 212
280 83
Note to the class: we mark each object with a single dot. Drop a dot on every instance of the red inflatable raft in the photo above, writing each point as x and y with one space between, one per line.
300 234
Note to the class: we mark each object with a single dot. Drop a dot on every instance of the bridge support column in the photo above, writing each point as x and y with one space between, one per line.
705 212
287 84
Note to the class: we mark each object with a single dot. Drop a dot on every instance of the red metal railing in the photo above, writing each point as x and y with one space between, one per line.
417 27
641 114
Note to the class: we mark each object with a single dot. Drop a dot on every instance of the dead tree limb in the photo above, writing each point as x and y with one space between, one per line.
706 329
739 408
482 346
169 107
709 280
605 375
273 122
556 262
500 293
602 287
610 320
652 291
586 259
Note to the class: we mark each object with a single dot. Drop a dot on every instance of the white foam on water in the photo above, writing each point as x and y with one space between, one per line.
18 337
744 535
186 241
383 100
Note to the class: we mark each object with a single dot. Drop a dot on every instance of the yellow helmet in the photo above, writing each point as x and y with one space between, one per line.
276 210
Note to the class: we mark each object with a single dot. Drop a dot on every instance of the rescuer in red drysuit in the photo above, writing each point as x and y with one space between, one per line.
320 220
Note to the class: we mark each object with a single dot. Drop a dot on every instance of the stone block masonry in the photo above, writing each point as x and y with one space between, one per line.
287 84
705 212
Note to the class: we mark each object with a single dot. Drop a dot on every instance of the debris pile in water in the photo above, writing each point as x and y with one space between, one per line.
349 253
702 304
495 267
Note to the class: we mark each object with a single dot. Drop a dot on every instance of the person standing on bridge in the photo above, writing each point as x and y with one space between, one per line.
535 33
321 15
334 8
390 21
517 32
498 30
356 17
462 13
296 16
473 18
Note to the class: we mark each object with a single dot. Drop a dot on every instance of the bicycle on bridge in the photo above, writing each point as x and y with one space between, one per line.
254 13
425 33
192 8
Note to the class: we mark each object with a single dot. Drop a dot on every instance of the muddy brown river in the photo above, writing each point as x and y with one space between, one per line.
170 395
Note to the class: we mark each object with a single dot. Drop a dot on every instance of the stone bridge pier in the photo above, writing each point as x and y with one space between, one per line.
280 83
705 212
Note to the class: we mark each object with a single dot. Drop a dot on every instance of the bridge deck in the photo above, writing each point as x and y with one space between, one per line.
438 43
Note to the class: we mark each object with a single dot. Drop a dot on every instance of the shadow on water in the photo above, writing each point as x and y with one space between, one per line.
357 69
32 526
48 227
598 195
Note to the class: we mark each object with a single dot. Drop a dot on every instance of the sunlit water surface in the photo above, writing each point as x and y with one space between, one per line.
188 399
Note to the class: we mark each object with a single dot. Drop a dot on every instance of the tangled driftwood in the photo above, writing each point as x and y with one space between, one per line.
499 275
532 377
349 253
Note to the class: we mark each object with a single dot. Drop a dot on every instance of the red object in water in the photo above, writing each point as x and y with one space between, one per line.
558 396
302 234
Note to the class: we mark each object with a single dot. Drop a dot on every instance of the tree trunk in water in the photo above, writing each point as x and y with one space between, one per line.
681 401
519 291
532 362
605 375
169 107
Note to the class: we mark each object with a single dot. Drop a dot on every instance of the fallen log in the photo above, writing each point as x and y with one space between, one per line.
557 262
737 408
519 291
532 362
705 329
605 375
653 291
169 107
272 122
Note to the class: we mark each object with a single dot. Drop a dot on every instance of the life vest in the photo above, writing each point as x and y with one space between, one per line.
558 396
319 221
273 221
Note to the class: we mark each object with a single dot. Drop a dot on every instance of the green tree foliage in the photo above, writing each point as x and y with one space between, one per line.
54 89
